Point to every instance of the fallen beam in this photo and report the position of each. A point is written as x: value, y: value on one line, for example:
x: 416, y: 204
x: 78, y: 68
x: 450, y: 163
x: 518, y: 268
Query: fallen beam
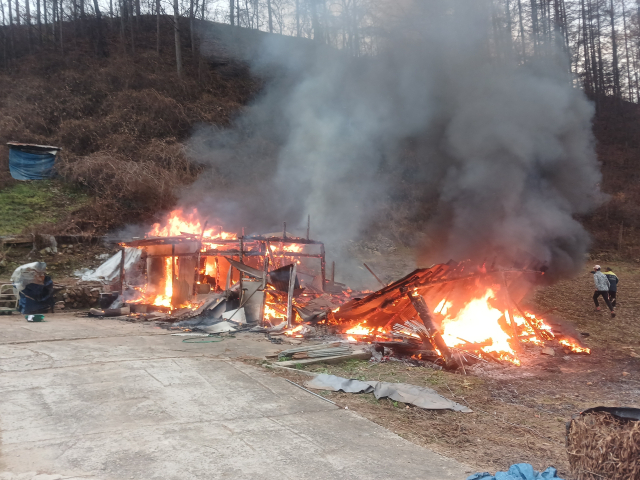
x: 356, y: 355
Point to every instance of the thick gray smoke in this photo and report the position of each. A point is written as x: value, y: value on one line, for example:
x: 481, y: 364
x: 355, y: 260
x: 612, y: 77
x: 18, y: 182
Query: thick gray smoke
x: 504, y: 150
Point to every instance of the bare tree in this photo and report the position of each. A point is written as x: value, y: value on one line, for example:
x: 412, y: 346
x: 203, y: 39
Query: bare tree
x: 176, y: 30
x: 522, y: 38
x: 231, y: 13
x: 158, y: 27
x: 270, y: 16
x: 626, y: 51
x: 101, y: 48
x: 191, y: 32
x: 614, y: 47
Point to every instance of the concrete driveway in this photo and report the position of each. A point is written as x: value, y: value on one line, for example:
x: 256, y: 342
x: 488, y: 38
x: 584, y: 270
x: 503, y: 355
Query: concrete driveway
x: 105, y: 399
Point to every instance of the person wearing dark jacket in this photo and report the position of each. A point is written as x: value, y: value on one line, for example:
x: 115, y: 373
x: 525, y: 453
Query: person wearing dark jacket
x: 602, y: 288
x: 613, y: 285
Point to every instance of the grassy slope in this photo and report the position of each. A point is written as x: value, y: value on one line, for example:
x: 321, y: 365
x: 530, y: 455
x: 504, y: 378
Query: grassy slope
x: 25, y: 204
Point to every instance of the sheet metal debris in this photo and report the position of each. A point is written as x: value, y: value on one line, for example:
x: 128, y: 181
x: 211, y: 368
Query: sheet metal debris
x: 400, y: 392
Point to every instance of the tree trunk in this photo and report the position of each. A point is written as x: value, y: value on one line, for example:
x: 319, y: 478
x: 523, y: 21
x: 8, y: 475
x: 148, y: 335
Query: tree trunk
x: 158, y: 27
x: 54, y: 15
x: 588, y: 82
x: 191, y: 33
x: 614, y: 47
x: 297, y: 18
x: 17, y: 12
x: 524, y: 48
x: 61, y: 19
x: 4, y: 37
x: 565, y: 22
x: 238, y: 12
x: 626, y: 51
x: 101, y: 48
x: 176, y: 31
x: 131, y: 27
x: 204, y: 9
x: 595, y: 78
x: 11, y: 31
x: 270, y: 16
x: 231, y: 15
x: 46, y: 19
x: 598, y: 36
x: 534, y: 25
x: 82, y: 17
x: 39, y: 21
x: 509, y: 33
x: 123, y: 38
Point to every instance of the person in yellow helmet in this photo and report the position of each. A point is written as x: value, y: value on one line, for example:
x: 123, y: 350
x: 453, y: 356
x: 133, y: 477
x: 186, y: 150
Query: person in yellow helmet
x: 613, y: 285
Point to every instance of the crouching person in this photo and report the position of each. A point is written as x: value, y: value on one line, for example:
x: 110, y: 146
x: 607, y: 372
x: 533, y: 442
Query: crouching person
x: 602, y: 288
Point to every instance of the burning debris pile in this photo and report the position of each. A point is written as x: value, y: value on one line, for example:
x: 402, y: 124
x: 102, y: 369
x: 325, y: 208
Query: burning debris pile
x: 453, y: 314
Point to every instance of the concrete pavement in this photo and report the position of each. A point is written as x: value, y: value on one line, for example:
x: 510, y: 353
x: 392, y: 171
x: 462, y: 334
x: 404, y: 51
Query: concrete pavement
x: 105, y: 399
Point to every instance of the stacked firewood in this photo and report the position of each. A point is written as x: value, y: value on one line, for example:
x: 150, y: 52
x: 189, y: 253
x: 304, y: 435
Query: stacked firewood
x: 82, y: 295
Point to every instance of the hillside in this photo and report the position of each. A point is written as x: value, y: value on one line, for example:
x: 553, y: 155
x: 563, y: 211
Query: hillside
x: 122, y: 121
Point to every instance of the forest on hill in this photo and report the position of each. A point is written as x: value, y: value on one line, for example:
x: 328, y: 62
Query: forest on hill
x: 120, y: 86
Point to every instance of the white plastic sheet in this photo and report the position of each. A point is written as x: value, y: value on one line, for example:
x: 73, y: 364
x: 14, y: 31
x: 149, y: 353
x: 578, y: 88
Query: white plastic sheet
x: 110, y: 270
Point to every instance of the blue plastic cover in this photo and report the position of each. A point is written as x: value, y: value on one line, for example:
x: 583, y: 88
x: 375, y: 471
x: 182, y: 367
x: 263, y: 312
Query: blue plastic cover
x: 30, y: 166
x: 519, y: 471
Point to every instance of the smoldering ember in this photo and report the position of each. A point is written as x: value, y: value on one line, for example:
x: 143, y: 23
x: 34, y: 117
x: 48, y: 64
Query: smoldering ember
x: 365, y: 239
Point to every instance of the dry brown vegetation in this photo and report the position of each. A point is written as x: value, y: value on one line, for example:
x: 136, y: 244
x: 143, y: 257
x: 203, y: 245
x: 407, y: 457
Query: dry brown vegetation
x: 120, y: 120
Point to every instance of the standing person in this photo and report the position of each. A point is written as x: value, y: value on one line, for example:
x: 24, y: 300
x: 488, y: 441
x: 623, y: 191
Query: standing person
x: 602, y: 288
x: 613, y: 285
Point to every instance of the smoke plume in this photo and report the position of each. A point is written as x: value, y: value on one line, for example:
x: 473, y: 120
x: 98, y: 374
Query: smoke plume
x: 503, y: 151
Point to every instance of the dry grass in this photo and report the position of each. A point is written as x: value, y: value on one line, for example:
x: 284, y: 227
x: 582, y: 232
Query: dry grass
x: 602, y: 446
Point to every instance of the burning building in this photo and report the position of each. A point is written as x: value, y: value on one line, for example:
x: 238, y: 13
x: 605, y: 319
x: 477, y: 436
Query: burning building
x: 451, y: 313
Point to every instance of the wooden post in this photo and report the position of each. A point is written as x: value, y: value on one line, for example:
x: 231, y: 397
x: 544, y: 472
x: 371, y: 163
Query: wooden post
x: 284, y: 230
x: 217, y: 274
x: 229, y: 278
x: 197, y: 279
x: 264, y: 288
x: 273, y: 262
x: 292, y: 284
x: 308, y: 225
x: 173, y: 271
x: 323, y: 265
x: 432, y: 332
x: 333, y: 273
x: 122, y: 272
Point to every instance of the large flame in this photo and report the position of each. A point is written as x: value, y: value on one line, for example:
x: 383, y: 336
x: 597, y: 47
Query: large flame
x: 477, y: 322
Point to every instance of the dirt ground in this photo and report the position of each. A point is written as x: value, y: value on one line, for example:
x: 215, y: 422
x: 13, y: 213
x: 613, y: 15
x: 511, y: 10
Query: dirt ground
x: 519, y: 412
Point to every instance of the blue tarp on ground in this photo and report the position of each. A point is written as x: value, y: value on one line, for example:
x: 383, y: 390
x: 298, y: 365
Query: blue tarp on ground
x: 520, y: 471
x: 31, y: 166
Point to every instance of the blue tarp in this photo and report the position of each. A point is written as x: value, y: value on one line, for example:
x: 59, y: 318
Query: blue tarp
x: 520, y: 471
x: 31, y: 166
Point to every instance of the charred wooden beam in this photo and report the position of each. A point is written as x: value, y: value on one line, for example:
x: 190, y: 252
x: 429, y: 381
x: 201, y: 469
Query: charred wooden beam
x: 433, y: 334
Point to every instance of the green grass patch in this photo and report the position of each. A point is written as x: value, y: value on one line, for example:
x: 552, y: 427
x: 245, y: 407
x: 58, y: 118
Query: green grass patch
x: 30, y: 203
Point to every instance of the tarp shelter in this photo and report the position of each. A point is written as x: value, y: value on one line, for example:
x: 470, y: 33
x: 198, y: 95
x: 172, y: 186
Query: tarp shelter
x: 31, y: 162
